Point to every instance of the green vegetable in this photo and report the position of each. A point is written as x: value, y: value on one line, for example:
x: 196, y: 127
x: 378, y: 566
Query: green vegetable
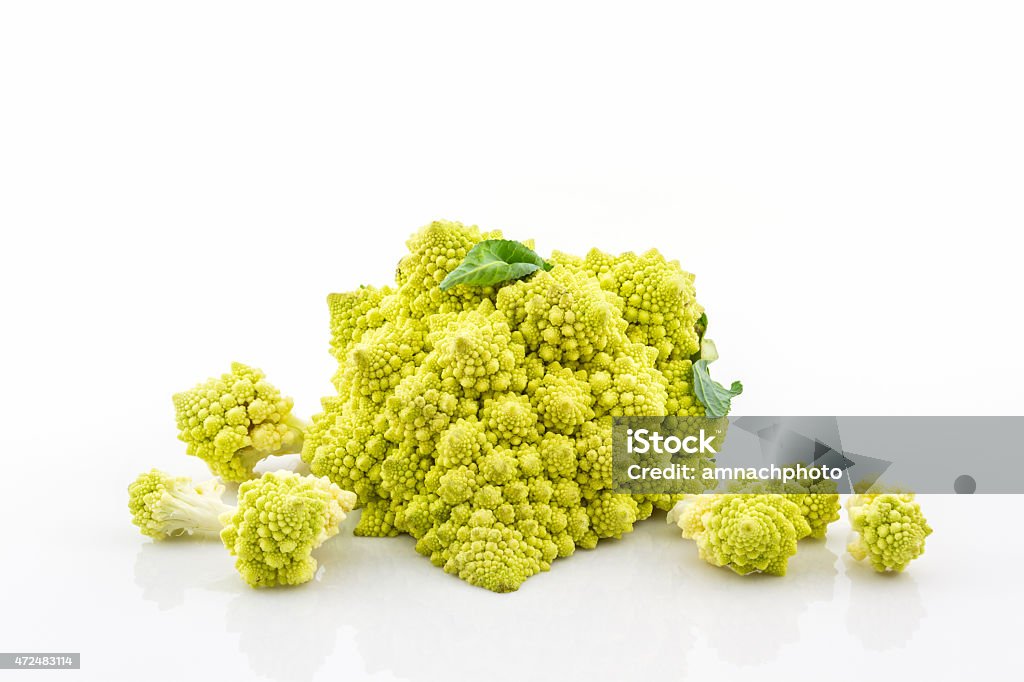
x: 716, y: 399
x: 474, y: 418
x: 747, y: 533
x: 891, y: 529
x: 280, y: 519
x: 234, y: 421
x: 164, y: 506
x: 494, y: 261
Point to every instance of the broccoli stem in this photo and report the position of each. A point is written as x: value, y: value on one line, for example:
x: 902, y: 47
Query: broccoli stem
x: 194, y: 513
x: 291, y: 444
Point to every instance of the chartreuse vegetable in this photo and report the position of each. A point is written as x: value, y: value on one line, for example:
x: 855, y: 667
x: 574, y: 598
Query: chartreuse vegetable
x: 890, y: 529
x: 473, y: 396
x: 234, y: 421
x: 280, y: 519
x: 747, y: 533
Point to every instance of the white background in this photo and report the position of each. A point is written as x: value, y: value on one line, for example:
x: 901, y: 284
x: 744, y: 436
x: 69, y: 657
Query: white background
x: 181, y: 184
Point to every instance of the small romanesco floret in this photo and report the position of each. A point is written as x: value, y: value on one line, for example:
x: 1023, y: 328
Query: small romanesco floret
x: 747, y: 533
x: 165, y: 506
x: 234, y: 421
x: 818, y: 499
x: 281, y: 518
x: 891, y: 530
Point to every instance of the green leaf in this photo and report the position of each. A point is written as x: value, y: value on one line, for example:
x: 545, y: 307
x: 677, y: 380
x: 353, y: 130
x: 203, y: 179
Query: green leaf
x: 716, y: 398
x: 493, y: 261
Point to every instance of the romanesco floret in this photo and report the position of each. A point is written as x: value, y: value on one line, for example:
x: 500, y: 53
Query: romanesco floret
x: 234, y: 421
x: 680, y: 400
x: 475, y: 418
x: 563, y: 315
x: 353, y: 315
x: 747, y: 533
x: 281, y: 518
x: 474, y: 350
x: 819, y: 505
x: 563, y: 400
x: 435, y: 251
x: 165, y: 506
x: 890, y: 530
x: 688, y: 514
x: 659, y: 300
x: 818, y: 499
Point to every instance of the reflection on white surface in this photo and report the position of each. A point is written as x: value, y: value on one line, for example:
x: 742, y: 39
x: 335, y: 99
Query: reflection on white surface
x: 762, y: 613
x: 884, y: 610
x: 402, y: 611
x: 644, y: 606
x: 285, y: 633
x: 443, y: 614
x: 166, y: 570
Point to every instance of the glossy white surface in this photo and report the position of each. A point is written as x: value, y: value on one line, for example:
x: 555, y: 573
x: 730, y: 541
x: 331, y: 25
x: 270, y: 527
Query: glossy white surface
x: 643, y: 606
x: 181, y: 184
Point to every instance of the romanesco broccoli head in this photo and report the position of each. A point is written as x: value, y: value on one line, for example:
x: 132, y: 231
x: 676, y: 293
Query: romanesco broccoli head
x: 165, y: 506
x: 476, y: 418
x: 890, y: 530
x: 234, y: 421
x: 281, y: 518
x: 747, y: 533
